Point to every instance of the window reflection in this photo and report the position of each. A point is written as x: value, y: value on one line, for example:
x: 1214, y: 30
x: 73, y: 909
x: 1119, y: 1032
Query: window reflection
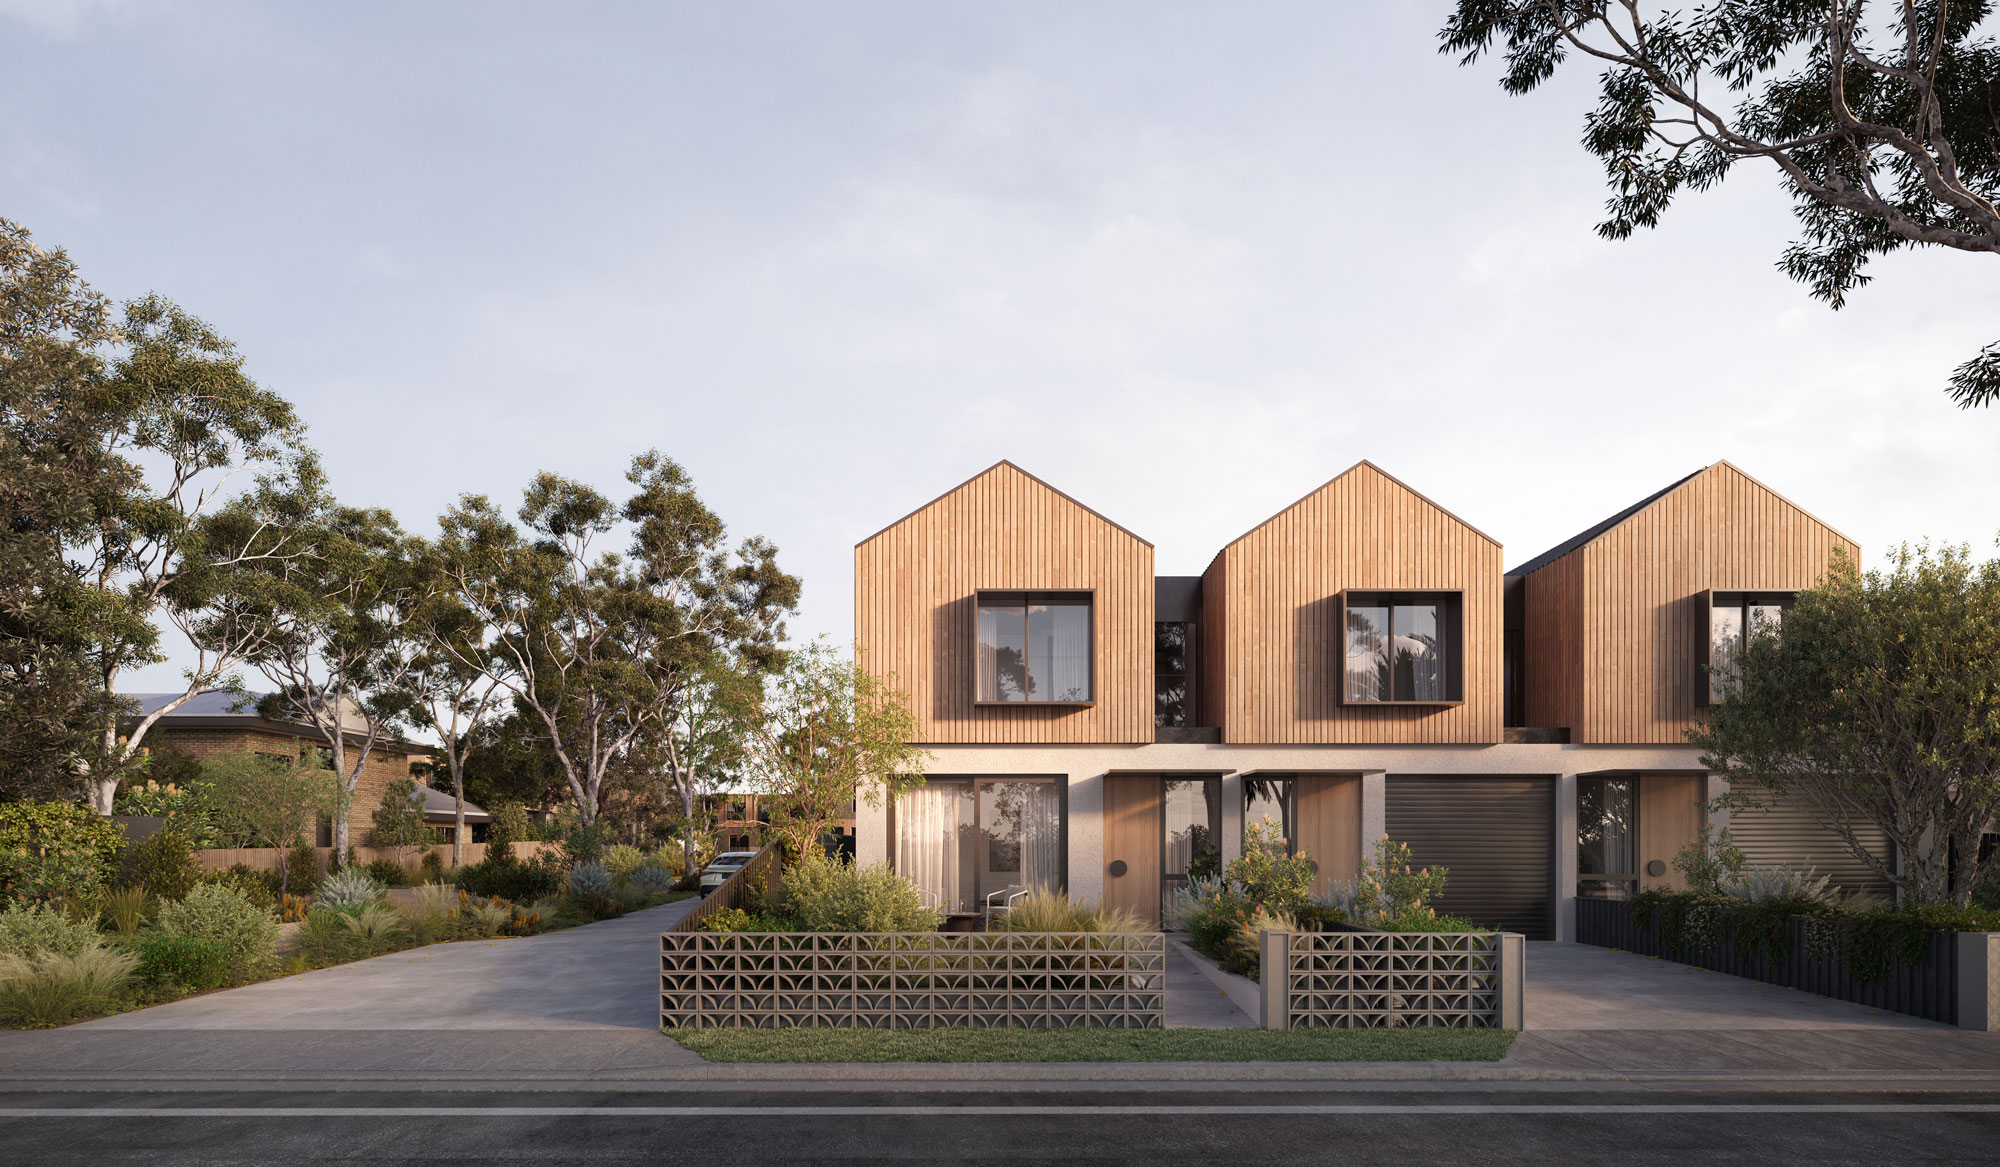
x: 1398, y: 650
x: 1734, y: 618
x: 1034, y: 648
x: 1173, y: 673
x: 1607, y: 857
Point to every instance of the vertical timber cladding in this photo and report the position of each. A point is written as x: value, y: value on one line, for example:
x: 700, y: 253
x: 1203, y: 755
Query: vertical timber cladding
x: 1132, y: 834
x: 1670, y: 816
x: 1497, y: 837
x: 1273, y: 629
x: 1785, y: 831
x: 1613, y: 631
x: 1329, y: 827
x: 914, y: 607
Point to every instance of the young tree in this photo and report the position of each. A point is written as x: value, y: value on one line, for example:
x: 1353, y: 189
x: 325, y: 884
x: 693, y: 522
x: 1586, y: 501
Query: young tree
x: 264, y: 801
x: 1881, y: 119
x: 830, y: 733
x: 703, y: 742
x: 399, y: 819
x: 1877, y: 701
x: 598, y: 647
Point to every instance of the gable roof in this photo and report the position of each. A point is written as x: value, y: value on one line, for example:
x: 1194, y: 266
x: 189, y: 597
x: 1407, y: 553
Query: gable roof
x: 1426, y: 499
x: 1583, y: 537
x: 1023, y: 473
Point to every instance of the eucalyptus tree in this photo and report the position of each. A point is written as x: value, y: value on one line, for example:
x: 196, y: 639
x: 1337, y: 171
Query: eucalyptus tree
x: 599, y: 647
x: 53, y: 465
x: 1881, y: 119
x: 329, y: 628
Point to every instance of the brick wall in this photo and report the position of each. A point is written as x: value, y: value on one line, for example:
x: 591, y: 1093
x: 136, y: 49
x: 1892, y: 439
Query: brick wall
x: 382, y: 767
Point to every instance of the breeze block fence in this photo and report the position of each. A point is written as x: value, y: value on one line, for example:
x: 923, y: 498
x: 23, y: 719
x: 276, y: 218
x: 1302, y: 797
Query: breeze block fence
x: 1357, y: 979
x: 913, y: 980
x: 1957, y: 983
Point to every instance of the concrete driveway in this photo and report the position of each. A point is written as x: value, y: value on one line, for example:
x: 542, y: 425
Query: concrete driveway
x: 579, y: 1000
x: 1598, y: 1007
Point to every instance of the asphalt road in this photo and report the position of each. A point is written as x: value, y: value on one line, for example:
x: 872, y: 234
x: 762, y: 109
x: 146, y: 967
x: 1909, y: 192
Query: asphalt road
x: 714, y: 1127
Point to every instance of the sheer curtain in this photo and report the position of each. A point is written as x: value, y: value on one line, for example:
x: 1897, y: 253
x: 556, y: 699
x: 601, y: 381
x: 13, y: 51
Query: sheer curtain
x: 928, y: 840
x: 1041, y: 836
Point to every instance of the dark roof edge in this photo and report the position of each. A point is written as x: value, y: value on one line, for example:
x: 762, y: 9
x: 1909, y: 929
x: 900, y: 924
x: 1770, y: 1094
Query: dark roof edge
x: 1585, y: 536
x: 1044, y: 484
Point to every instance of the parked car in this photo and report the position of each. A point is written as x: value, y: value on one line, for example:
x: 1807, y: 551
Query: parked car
x: 722, y: 867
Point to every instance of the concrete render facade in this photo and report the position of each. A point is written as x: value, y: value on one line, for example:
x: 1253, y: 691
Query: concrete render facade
x: 1082, y: 769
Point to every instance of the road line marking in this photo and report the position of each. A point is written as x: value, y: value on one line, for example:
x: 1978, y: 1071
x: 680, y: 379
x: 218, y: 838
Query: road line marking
x: 972, y: 1111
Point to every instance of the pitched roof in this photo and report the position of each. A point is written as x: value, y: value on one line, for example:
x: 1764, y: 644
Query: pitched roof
x: 1582, y: 537
x: 1427, y: 500
x: 438, y: 804
x: 1023, y: 473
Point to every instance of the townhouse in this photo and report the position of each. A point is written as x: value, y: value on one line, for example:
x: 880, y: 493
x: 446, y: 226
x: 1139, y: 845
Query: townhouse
x: 1359, y: 664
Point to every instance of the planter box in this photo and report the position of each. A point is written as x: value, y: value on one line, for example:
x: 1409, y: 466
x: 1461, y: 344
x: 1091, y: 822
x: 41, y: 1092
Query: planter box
x: 1929, y: 990
x: 1350, y: 978
x: 913, y: 980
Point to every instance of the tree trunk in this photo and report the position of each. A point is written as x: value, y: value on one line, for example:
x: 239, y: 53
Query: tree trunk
x: 458, y: 796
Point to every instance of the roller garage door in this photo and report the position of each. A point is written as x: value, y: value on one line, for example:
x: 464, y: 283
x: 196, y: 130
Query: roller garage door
x: 1496, y: 835
x: 1785, y: 833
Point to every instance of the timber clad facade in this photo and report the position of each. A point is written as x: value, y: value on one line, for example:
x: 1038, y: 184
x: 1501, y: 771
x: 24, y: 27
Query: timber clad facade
x: 916, y: 588
x: 1361, y: 663
x: 1273, y: 619
x: 1617, y: 622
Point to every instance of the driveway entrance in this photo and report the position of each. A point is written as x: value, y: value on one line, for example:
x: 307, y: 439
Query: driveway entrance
x: 1590, y: 1006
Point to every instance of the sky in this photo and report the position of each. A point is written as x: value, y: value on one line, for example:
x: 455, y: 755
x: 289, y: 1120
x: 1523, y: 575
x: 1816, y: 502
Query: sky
x: 1185, y: 263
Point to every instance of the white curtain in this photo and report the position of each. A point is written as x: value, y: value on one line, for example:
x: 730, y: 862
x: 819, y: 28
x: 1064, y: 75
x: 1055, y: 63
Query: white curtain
x: 1041, y: 835
x: 928, y: 839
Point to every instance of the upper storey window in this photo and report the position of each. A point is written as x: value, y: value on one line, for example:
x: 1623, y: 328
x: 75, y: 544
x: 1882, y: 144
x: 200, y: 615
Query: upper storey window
x: 1733, y: 618
x: 1035, y: 647
x: 1173, y: 673
x: 1402, y: 648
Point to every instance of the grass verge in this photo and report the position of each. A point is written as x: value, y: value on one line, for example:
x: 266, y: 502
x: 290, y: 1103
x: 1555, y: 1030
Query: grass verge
x: 1097, y: 1045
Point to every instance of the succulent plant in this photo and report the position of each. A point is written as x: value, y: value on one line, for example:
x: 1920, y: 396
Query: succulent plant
x: 589, y: 879
x: 346, y: 888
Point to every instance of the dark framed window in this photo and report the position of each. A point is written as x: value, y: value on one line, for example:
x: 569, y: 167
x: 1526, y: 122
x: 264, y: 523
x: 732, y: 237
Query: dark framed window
x: 1274, y: 800
x: 1402, y: 648
x: 1729, y: 619
x: 1191, y: 830
x: 1174, y: 646
x: 1607, y: 838
x: 1035, y: 648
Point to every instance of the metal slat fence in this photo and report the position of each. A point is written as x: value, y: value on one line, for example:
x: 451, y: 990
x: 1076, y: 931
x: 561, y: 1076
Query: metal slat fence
x: 762, y: 871
x: 913, y: 980
x: 1928, y: 990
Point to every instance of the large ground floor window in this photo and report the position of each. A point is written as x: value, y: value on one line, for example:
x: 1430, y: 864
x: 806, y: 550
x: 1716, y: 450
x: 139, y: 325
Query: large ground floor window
x: 1607, y: 838
x: 963, y: 839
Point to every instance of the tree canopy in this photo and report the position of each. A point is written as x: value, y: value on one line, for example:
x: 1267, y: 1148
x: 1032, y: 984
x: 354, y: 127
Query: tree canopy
x: 1883, y: 119
x: 1877, y: 701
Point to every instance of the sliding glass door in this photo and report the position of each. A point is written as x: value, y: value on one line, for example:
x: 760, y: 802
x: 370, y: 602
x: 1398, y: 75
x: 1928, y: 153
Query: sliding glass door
x: 962, y: 839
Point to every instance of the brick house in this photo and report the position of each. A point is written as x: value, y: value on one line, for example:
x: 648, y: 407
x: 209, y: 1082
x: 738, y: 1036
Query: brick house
x: 218, y: 722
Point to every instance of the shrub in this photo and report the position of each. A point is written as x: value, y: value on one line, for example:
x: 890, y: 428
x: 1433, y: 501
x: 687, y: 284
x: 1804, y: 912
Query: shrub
x: 30, y: 930
x: 830, y: 895
x: 164, y: 864
x: 225, y: 915
x: 301, y: 869
x: 432, y: 908
x: 388, y: 873
x: 732, y: 920
x: 1190, y: 901
x: 1712, y: 860
x: 52, y: 849
x: 1391, y: 895
x: 623, y: 860
x: 1759, y: 884
x: 184, y: 802
x: 186, y: 960
x: 1267, y: 874
x: 1042, y: 910
x: 53, y: 988
x: 348, y: 887
x: 377, y: 924
x: 650, y: 879
x: 510, y: 879
x: 1246, y: 944
x: 432, y: 867
x: 254, y: 884
x: 581, y: 844
x: 509, y: 825
x: 125, y: 910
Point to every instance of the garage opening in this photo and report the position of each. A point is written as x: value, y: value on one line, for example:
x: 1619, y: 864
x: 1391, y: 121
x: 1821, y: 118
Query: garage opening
x: 1496, y: 835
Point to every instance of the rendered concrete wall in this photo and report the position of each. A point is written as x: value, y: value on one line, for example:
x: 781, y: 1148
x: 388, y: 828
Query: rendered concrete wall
x: 1979, y: 980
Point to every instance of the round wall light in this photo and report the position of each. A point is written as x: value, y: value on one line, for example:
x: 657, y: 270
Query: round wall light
x: 1117, y: 868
